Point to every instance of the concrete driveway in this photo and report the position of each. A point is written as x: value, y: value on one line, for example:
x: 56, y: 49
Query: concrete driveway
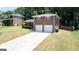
x: 25, y: 43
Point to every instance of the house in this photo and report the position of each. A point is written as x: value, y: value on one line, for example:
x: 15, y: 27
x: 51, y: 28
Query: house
x: 46, y: 22
x: 17, y: 19
x: 29, y: 23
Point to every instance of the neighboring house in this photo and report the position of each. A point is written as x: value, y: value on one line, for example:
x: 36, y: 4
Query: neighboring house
x: 46, y: 22
x: 15, y: 19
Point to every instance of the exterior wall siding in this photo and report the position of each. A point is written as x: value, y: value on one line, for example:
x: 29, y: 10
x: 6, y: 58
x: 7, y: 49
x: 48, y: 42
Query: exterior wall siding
x: 44, y: 21
x: 17, y: 21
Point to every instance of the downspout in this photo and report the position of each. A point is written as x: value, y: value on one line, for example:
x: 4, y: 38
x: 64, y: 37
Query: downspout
x: 34, y: 24
x: 54, y: 24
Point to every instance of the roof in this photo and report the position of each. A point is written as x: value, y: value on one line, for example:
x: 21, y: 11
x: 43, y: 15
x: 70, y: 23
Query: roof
x: 30, y: 20
x: 46, y: 15
x: 17, y: 14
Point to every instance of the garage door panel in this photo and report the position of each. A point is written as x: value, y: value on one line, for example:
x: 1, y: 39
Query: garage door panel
x: 39, y: 28
x: 48, y: 28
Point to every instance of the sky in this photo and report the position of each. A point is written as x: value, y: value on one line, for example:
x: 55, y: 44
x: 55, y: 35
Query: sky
x: 4, y: 9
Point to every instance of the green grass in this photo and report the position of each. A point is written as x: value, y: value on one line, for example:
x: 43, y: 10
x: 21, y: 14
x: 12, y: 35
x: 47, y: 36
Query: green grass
x: 10, y: 32
x: 62, y: 41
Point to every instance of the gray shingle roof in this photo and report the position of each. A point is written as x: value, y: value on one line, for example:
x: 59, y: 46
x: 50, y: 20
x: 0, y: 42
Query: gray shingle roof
x: 17, y: 14
x: 46, y: 15
x: 30, y: 20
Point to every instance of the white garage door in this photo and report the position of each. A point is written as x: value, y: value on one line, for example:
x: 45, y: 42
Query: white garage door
x: 48, y: 28
x: 39, y: 28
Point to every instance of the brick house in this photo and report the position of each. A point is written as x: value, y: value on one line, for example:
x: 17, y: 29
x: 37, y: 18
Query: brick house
x: 17, y: 19
x: 46, y: 22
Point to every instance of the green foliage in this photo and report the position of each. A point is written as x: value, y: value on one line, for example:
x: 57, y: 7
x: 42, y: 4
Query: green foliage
x: 28, y: 12
x: 6, y: 14
x: 68, y: 15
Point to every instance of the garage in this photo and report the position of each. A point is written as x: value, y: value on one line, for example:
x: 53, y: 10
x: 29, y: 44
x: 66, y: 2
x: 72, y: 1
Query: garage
x: 46, y: 22
x: 48, y: 28
x: 39, y: 28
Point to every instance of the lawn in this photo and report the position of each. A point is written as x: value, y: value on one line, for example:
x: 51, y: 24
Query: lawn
x: 62, y: 41
x: 10, y: 32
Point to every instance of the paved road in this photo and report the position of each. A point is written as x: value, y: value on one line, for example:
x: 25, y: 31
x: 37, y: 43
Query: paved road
x: 25, y: 43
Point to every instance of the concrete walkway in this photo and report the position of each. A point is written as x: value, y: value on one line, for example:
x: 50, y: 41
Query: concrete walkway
x: 25, y: 43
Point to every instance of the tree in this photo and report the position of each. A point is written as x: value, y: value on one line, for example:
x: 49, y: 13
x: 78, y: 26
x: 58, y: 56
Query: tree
x: 8, y: 13
x: 68, y: 15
